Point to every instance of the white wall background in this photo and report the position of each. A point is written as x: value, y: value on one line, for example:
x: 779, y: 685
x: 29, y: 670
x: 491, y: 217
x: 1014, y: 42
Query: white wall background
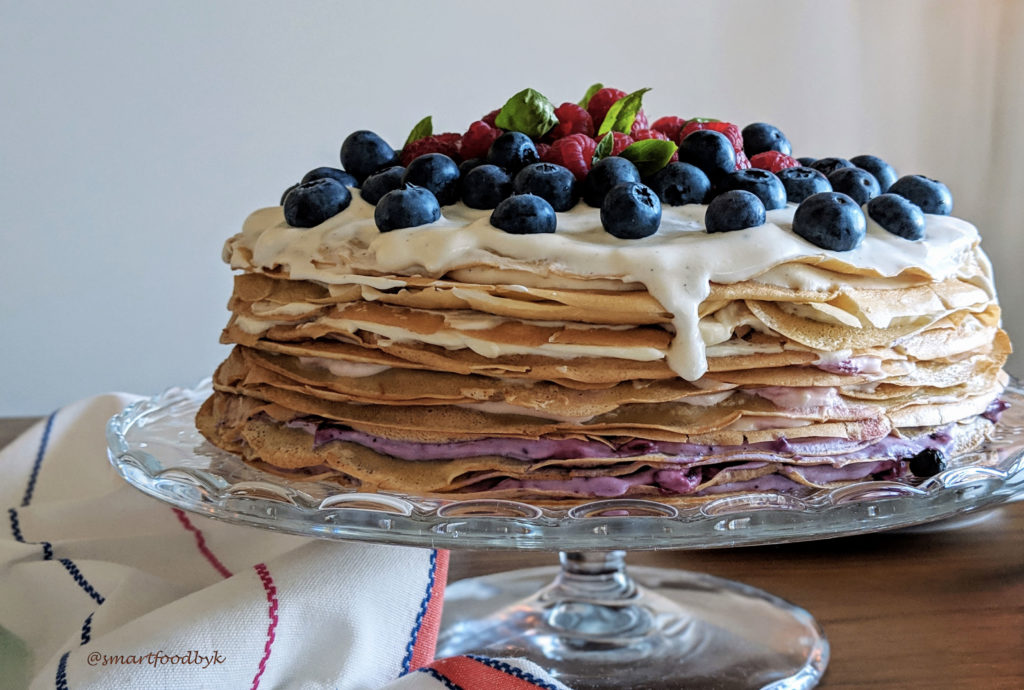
x: 136, y: 136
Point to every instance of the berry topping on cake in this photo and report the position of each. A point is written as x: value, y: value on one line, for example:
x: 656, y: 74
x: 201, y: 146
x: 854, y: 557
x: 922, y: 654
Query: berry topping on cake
x: 931, y: 195
x: 898, y: 215
x: 759, y: 137
x: 447, y: 144
x: 333, y: 173
x: 742, y: 162
x: 680, y: 183
x: 574, y: 152
x: 801, y: 183
x: 553, y: 183
x: 710, y: 151
x: 773, y: 161
x: 485, y: 186
x: 364, y: 153
x: 620, y: 142
x: 830, y: 220
x: 436, y: 173
x: 524, y: 214
x: 313, y: 202
x: 763, y: 184
x: 478, y: 139
x: 380, y: 183
x: 408, y: 207
x: 827, y: 166
x: 858, y: 184
x: 607, y: 173
x: 631, y: 211
x: 572, y: 119
x: 883, y: 172
x: 512, y: 151
x: 928, y: 463
x: 734, y: 210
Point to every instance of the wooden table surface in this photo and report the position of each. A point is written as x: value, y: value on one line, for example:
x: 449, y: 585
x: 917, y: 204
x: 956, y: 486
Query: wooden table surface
x: 941, y: 607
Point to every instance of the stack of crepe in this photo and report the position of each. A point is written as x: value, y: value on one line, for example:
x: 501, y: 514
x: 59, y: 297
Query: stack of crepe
x: 446, y: 386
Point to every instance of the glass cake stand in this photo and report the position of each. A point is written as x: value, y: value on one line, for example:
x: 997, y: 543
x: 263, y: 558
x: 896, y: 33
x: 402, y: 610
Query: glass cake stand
x: 589, y: 622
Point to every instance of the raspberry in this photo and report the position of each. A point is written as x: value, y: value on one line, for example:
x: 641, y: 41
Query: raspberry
x: 447, y: 143
x: 670, y: 125
x: 641, y: 134
x: 600, y: 102
x: 620, y: 143
x: 478, y: 139
x: 572, y: 119
x: 639, y: 123
x: 731, y: 131
x: 575, y: 152
x: 773, y: 161
x: 542, y: 149
x: 742, y: 162
x: 490, y: 117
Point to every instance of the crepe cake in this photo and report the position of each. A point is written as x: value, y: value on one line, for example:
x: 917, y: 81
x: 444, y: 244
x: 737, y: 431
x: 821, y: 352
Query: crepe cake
x: 453, y: 359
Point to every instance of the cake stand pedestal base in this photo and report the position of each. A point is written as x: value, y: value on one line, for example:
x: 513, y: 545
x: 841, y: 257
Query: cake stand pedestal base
x: 593, y: 625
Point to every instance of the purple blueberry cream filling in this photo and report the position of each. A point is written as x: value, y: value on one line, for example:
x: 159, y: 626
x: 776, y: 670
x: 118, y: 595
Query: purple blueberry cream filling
x: 672, y: 468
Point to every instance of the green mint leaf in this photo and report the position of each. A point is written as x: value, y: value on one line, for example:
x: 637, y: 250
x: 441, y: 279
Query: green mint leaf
x: 702, y: 119
x: 594, y: 88
x: 423, y: 128
x: 528, y: 112
x: 623, y: 112
x: 604, y: 148
x: 649, y: 155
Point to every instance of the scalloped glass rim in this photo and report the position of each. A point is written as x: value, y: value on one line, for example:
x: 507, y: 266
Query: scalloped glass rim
x: 154, y: 446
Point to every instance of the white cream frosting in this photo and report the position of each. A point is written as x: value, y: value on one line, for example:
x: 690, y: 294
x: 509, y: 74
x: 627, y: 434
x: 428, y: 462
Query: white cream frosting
x: 676, y: 265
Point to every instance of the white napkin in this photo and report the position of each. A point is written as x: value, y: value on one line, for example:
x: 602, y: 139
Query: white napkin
x: 108, y: 588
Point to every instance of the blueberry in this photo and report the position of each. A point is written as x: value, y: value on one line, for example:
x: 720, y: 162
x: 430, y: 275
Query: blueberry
x: 830, y: 220
x: 512, y: 151
x: 333, y: 173
x: 805, y: 161
x: 364, y: 153
x: 437, y: 173
x: 734, y: 210
x: 485, y: 186
x: 830, y: 165
x: 898, y: 215
x: 605, y: 174
x: 285, y: 193
x: 883, y: 172
x: 406, y: 208
x: 858, y: 184
x: 680, y: 183
x: 801, y: 183
x: 710, y: 151
x: 760, y: 137
x: 524, y: 214
x: 931, y: 195
x: 928, y: 463
x: 313, y: 202
x: 467, y: 165
x: 631, y: 211
x: 549, y: 181
x: 380, y: 183
x: 765, y: 185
